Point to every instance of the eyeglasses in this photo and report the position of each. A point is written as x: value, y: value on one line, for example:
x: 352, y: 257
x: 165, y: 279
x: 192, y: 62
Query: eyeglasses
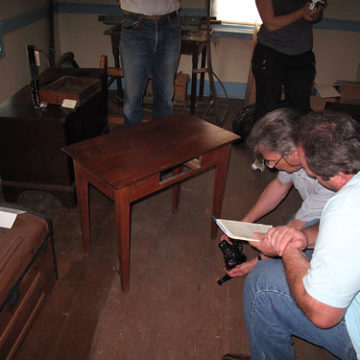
x: 268, y: 162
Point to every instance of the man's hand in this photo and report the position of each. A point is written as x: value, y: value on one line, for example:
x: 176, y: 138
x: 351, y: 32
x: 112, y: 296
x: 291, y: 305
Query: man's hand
x: 276, y: 240
x: 242, y: 269
x: 312, y: 15
x: 226, y: 238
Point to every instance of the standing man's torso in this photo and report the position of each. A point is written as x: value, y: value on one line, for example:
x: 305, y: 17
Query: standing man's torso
x: 150, y: 7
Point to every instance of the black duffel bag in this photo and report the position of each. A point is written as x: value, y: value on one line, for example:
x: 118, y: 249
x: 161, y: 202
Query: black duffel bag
x: 244, y: 121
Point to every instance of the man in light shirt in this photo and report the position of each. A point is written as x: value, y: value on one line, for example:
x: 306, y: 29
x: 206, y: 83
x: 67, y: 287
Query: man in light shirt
x: 273, y: 140
x: 315, y: 299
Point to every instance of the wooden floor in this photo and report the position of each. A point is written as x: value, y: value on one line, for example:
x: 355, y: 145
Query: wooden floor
x: 175, y: 310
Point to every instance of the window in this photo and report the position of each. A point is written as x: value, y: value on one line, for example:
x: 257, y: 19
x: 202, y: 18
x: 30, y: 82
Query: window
x: 236, y: 11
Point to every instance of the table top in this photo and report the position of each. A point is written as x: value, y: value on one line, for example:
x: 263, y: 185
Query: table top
x: 130, y: 154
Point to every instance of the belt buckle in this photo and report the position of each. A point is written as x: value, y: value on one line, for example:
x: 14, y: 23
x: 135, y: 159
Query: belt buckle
x: 154, y: 17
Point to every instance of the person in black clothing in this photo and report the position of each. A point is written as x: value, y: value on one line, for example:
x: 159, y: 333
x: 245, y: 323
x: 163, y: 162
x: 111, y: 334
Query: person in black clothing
x: 283, y: 61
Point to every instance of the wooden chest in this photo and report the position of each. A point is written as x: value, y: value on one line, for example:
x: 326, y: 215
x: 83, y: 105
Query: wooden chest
x: 27, y: 274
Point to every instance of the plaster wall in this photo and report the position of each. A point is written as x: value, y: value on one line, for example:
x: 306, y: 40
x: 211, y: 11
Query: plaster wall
x: 337, y: 51
x: 14, y: 67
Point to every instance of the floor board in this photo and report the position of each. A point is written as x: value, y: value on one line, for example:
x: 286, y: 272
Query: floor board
x: 175, y: 309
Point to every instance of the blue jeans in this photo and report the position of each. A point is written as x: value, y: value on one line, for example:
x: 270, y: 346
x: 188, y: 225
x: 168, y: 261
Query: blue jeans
x: 272, y: 317
x: 148, y: 46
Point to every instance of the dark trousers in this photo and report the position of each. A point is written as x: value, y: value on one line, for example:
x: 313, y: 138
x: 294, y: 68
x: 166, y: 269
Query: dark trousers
x: 275, y: 72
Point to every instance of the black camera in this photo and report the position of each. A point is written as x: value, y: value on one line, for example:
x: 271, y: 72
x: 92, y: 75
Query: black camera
x: 316, y: 3
x: 233, y: 256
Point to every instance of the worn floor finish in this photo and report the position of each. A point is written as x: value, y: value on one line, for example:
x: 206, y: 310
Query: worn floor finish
x: 175, y: 310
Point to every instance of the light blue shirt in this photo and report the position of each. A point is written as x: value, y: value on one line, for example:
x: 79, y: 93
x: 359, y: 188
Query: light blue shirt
x: 314, y: 195
x: 334, y: 274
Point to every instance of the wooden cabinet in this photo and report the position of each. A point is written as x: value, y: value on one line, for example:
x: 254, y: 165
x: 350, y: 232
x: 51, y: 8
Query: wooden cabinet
x: 31, y: 139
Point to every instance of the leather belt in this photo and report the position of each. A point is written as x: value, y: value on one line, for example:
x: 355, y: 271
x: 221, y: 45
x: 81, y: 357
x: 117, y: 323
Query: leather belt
x: 150, y: 17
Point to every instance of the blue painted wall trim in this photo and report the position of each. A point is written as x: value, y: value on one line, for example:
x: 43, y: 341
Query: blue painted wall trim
x: 233, y: 31
x: 335, y: 24
x: 233, y: 90
x: 17, y: 22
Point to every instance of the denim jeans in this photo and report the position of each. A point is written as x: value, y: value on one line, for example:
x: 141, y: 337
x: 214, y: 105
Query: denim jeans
x: 272, y: 317
x: 148, y: 46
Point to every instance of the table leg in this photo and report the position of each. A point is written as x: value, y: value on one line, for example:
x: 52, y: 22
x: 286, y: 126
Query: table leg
x: 219, y: 186
x: 176, y: 191
x: 115, y: 43
x: 122, y: 212
x: 195, y: 61
x: 82, y: 193
x: 202, y: 75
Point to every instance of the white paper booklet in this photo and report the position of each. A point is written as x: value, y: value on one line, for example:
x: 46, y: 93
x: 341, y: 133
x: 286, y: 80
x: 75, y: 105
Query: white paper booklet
x: 7, y: 219
x: 8, y: 216
x: 241, y: 230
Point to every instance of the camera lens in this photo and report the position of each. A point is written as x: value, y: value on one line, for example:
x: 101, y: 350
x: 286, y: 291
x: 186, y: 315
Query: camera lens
x: 231, y: 263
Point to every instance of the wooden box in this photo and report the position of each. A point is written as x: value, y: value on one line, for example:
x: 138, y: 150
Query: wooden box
x: 27, y: 274
x: 317, y: 103
x: 181, y: 82
x: 349, y: 90
x: 76, y: 88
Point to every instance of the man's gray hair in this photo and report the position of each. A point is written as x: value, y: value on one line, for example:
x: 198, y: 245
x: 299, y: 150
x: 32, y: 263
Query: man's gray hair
x: 331, y: 141
x: 274, y: 132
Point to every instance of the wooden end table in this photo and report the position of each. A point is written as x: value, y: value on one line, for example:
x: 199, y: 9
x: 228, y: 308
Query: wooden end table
x: 128, y: 164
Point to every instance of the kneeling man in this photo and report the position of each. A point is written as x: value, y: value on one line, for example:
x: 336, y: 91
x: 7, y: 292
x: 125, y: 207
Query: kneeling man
x: 313, y: 295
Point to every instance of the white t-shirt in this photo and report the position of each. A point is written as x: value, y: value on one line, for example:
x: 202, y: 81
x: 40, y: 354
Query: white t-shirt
x: 314, y: 195
x: 334, y: 274
x: 150, y: 7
